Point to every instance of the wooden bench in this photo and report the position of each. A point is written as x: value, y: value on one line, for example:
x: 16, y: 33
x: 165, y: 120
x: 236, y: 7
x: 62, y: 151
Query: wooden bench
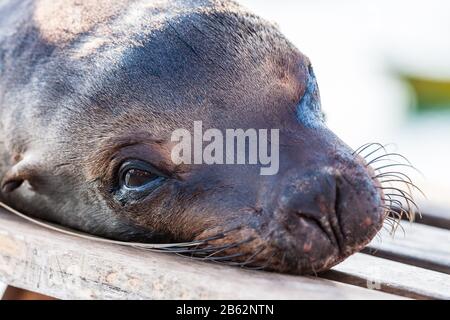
x: 411, y: 265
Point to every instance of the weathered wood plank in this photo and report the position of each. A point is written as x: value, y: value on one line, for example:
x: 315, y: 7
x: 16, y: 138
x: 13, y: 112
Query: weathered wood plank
x: 65, y: 267
x: 393, y: 277
x: 435, y: 216
x: 419, y: 245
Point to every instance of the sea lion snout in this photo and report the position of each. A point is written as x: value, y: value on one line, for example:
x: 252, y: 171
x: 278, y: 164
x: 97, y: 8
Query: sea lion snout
x: 324, y: 215
x: 322, y: 206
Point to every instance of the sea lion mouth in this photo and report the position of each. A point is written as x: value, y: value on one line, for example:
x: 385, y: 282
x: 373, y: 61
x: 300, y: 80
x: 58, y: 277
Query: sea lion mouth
x: 313, y: 231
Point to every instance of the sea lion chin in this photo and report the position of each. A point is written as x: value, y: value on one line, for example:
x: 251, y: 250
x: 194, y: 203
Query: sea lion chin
x: 90, y: 95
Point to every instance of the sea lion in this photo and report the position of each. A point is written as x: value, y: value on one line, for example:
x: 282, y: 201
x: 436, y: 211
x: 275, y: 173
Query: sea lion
x: 90, y: 92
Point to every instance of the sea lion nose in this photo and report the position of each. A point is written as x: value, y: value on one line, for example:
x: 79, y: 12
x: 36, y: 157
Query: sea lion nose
x: 331, y: 212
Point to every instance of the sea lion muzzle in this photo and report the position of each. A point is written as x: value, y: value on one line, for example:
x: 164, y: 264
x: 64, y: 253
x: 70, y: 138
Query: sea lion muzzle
x: 323, y: 206
x: 330, y: 213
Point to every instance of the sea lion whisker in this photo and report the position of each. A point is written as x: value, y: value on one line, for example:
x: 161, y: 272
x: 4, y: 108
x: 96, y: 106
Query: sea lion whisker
x: 393, y: 161
x: 264, y: 266
x: 268, y: 261
x: 393, y: 201
x: 391, y: 229
x: 252, y: 258
x: 358, y: 150
x: 398, y: 195
x: 249, y: 260
x: 222, y: 234
x: 365, y: 147
x: 394, y: 214
x: 386, y: 228
x: 382, y: 147
x: 398, y: 165
x: 225, y: 258
x: 218, y: 236
x: 387, y: 155
x: 395, y: 226
x: 411, y: 212
x: 405, y: 182
x: 201, y: 242
x: 389, y: 223
x: 397, y: 209
x: 378, y: 236
x: 398, y: 175
x: 233, y: 245
x: 212, y: 238
x: 201, y: 250
x: 215, y: 259
x: 391, y: 207
x: 392, y: 219
x: 405, y: 195
x: 195, y: 250
x: 403, y: 192
x: 256, y: 268
x: 170, y: 246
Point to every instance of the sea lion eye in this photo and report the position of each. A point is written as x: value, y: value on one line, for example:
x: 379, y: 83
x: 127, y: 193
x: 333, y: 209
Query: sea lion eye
x: 136, y: 178
x: 137, y: 175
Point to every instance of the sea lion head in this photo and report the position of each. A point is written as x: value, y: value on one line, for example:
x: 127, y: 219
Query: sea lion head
x: 104, y: 103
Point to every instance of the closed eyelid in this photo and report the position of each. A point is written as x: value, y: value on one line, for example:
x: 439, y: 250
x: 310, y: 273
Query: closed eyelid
x: 309, y: 110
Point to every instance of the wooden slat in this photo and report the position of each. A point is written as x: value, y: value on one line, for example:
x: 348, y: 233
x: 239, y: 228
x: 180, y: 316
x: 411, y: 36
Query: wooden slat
x: 65, y: 267
x: 419, y: 245
x: 436, y: 216
x: 393, y: 277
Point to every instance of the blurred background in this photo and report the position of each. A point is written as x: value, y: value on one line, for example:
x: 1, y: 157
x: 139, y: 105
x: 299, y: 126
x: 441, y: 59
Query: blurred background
x: 383, y: 69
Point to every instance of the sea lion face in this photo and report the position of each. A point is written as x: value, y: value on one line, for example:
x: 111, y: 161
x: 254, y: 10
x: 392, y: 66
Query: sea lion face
x: 101, y: 160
